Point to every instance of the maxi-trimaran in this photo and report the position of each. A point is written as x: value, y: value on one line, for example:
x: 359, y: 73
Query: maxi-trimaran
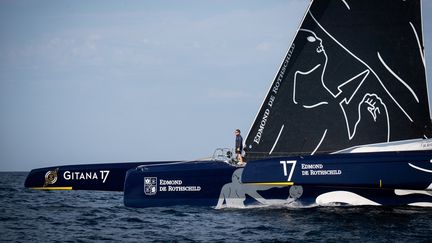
x: 345, y: 121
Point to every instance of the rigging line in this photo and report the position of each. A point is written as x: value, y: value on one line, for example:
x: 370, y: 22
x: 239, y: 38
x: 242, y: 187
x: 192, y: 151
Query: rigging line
x: 319, y: 144
x: 346, y: 4
x: 418, y: 43
x: 398, y: 78
x: 313, y: 106
x: 364, y: 63
x: 277, y: 139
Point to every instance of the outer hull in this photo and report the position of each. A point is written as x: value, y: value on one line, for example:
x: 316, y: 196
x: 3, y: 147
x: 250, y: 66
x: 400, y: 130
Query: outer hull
x: 104, y: 177
x: 218, y: 184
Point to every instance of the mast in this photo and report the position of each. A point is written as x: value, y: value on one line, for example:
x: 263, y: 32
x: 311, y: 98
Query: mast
x: 354, y: 75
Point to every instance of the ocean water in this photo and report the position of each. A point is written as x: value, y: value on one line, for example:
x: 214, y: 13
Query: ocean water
x: 86, y: 216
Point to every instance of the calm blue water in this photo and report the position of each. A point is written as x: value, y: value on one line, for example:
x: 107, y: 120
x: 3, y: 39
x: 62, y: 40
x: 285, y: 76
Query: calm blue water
x: 81, y: 216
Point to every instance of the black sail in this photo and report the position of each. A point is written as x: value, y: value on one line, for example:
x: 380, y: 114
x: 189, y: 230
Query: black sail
x: 354, y: 75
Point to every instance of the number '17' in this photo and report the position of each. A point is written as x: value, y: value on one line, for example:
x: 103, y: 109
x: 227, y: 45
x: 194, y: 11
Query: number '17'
x: 284, y: 164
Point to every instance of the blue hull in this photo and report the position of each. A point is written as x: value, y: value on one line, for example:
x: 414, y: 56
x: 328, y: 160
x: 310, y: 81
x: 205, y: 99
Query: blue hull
x: 186, y: 183
x: 402, y: 178
x: 101, y: 177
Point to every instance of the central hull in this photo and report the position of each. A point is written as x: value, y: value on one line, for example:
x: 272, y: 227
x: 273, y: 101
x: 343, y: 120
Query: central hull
x: 219, y: 184
x: 185, y: 183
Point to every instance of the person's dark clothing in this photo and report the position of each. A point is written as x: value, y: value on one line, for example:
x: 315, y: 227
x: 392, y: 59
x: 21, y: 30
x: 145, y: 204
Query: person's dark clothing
x: 239, y: 144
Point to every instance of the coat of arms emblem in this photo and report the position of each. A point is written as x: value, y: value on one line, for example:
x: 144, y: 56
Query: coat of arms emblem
x: 150, y: 186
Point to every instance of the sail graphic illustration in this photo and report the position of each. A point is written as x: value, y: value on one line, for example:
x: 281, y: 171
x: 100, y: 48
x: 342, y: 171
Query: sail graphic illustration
x: 354, y: 75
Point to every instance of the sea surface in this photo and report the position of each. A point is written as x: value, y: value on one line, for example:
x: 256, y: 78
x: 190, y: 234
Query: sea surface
x: 87, y: 216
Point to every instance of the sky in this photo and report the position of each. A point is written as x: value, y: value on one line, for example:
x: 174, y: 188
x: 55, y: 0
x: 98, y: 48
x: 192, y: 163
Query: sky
x: 118, y: 81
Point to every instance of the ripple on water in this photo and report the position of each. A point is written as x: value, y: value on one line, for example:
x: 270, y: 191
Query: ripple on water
x: 133, y: 220
x: 174, y: 212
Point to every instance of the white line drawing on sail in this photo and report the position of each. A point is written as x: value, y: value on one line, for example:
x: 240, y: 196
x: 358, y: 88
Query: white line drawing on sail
x: 371, y: 100
x: 364, y: 63
x: 277, y: 139
x: 346, y: 4
x: 319, y: 144
x: 316, y: 105
x: 320, y: 49
x: 418, y: 43
x: 373, y: 112
x: 398, y: 78
x: 365, y: 73
x: 295, y: 80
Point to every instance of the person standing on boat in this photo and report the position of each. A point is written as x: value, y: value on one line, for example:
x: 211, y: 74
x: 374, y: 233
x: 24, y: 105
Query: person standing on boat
x: 239, y: 147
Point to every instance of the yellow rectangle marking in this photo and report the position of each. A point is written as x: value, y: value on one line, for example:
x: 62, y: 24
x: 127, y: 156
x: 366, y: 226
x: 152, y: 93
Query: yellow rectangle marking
x: 53, y: 188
